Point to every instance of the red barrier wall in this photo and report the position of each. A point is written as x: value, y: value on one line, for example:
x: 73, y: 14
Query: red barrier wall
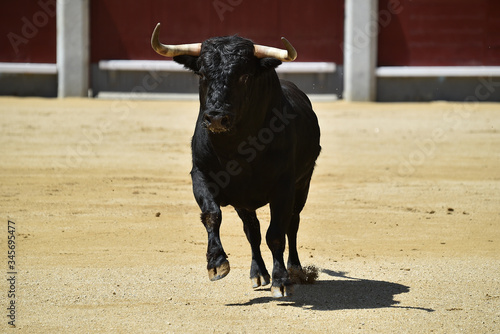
x: 440, y: 32
x: 121, y: 29
x: 424, y: 32
x: 28, y: 31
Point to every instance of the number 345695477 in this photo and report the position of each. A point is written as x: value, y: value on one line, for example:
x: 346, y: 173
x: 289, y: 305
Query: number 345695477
x: 11, y: 243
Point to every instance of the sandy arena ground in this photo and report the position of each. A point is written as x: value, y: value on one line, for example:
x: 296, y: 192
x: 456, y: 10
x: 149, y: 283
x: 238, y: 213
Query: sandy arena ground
x: 403, y: 218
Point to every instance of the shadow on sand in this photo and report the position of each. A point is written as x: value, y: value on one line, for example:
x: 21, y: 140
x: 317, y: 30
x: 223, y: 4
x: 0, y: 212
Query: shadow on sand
x: 341, y: 293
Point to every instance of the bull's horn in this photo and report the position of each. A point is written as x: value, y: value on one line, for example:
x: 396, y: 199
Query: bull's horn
x: 284, y: 55
x: 173, y: 50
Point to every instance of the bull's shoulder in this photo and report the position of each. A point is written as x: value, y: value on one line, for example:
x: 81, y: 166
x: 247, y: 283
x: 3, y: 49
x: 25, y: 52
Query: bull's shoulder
x: 306, y: 126
x: 300, y: 105
x: 294, y: 95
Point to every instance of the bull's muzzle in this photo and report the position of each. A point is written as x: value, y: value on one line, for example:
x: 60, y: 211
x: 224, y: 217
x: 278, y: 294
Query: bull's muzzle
x: 217, y: 122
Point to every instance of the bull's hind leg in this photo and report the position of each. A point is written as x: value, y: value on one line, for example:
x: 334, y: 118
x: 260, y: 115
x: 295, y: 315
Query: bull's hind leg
x: 251, y: 226
x: 281, y: 213
x: 293, y: 255
x: 300, y: 201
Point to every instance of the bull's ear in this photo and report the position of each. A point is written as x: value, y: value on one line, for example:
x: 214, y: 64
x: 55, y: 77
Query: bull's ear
x: 269, y: 63
x: 189, y: 62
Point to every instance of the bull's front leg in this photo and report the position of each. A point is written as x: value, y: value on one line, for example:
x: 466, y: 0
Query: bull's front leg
x: 217, y: 263
x: 211, y: 217
x: 281, y: 285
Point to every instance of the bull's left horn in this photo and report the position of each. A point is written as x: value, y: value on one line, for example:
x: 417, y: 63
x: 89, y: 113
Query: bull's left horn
x: 173, y: 50
x: 289, y: 54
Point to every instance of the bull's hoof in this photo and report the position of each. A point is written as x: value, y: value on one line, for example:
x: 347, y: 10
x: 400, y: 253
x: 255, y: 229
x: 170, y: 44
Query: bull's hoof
x: 260, y: 281
x: 282, y: 291
x: 219, y: 272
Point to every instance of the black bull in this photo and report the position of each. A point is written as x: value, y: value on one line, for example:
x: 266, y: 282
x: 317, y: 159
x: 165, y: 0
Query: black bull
x: 255, y: 142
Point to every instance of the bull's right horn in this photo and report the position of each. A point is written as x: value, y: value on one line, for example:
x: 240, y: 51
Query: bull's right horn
x: 173, y: 50
x: 289, y: 54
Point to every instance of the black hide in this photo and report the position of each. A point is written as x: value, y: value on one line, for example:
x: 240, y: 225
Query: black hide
x: 255, y: 142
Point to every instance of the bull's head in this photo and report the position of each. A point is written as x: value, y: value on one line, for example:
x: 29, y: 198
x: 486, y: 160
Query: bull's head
x: 234, y: 75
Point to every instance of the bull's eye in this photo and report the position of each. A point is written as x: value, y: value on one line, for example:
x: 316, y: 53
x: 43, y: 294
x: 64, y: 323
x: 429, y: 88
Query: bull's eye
x: 244, y: 78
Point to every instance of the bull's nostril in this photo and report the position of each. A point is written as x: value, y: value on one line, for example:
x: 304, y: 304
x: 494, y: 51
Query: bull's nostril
x: 216, y: 121
x: 224, y: 121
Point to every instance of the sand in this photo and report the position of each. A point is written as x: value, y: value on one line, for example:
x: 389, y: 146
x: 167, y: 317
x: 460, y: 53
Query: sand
x: 403, y: 219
